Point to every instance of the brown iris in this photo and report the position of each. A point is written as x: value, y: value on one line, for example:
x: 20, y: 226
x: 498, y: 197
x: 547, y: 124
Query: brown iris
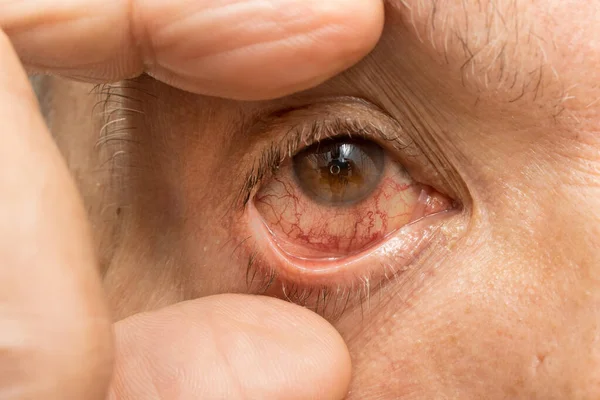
x: 339, y: 172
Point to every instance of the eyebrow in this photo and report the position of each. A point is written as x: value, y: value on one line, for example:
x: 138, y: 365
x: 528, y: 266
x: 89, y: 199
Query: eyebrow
x: 494, y: 47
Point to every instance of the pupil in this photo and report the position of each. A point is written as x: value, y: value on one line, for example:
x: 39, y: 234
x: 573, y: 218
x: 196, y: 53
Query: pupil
x: 337, y: 166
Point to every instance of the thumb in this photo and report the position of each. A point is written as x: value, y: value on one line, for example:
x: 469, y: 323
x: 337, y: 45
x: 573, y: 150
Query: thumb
x: 230, y: 347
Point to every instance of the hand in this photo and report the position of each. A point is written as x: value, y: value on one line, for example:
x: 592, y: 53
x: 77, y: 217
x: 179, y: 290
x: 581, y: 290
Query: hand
x: 55, y: 332
x: 233, y: 48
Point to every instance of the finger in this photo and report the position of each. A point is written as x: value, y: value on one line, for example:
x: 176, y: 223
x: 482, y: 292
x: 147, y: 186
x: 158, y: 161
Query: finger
x: 244, y: 49
x: 230, y: 347
x: 54, y: 333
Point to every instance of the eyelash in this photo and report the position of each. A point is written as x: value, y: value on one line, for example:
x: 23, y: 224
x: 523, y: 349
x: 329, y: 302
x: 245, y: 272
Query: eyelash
x: 260, y: 278
x: 331, y: 302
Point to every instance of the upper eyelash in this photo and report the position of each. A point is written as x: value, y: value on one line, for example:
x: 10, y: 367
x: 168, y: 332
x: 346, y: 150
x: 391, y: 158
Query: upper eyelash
x: 302, y: 136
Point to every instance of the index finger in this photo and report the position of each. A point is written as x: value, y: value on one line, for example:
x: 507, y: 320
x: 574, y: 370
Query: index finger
x: 244, y: 49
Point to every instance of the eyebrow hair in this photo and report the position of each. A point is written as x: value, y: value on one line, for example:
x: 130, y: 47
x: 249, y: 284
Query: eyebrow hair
x: 495, y: 46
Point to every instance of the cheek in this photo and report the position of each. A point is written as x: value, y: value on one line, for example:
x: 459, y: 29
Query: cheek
x: 473, y: 326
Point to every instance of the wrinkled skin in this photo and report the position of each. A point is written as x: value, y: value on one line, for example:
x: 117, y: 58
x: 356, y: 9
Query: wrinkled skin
x: 503, y: 304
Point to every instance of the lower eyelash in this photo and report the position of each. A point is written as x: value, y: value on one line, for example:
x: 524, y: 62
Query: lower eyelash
x: 335, y: 300
x: 262, y: 279
x: 329, y: 302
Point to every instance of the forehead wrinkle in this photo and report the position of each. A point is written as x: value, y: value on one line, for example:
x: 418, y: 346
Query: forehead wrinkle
x: 497, y: 47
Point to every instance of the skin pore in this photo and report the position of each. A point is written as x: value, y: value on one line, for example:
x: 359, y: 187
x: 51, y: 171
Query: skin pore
x: 500, y: 99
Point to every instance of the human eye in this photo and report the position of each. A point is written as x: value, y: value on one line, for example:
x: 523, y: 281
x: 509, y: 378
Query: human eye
x: 333, y: 207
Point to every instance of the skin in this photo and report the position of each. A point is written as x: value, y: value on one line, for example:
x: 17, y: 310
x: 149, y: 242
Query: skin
x: 503, y: 303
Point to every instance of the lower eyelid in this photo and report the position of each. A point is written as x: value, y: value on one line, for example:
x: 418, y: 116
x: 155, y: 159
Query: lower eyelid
x: 384, y: 260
